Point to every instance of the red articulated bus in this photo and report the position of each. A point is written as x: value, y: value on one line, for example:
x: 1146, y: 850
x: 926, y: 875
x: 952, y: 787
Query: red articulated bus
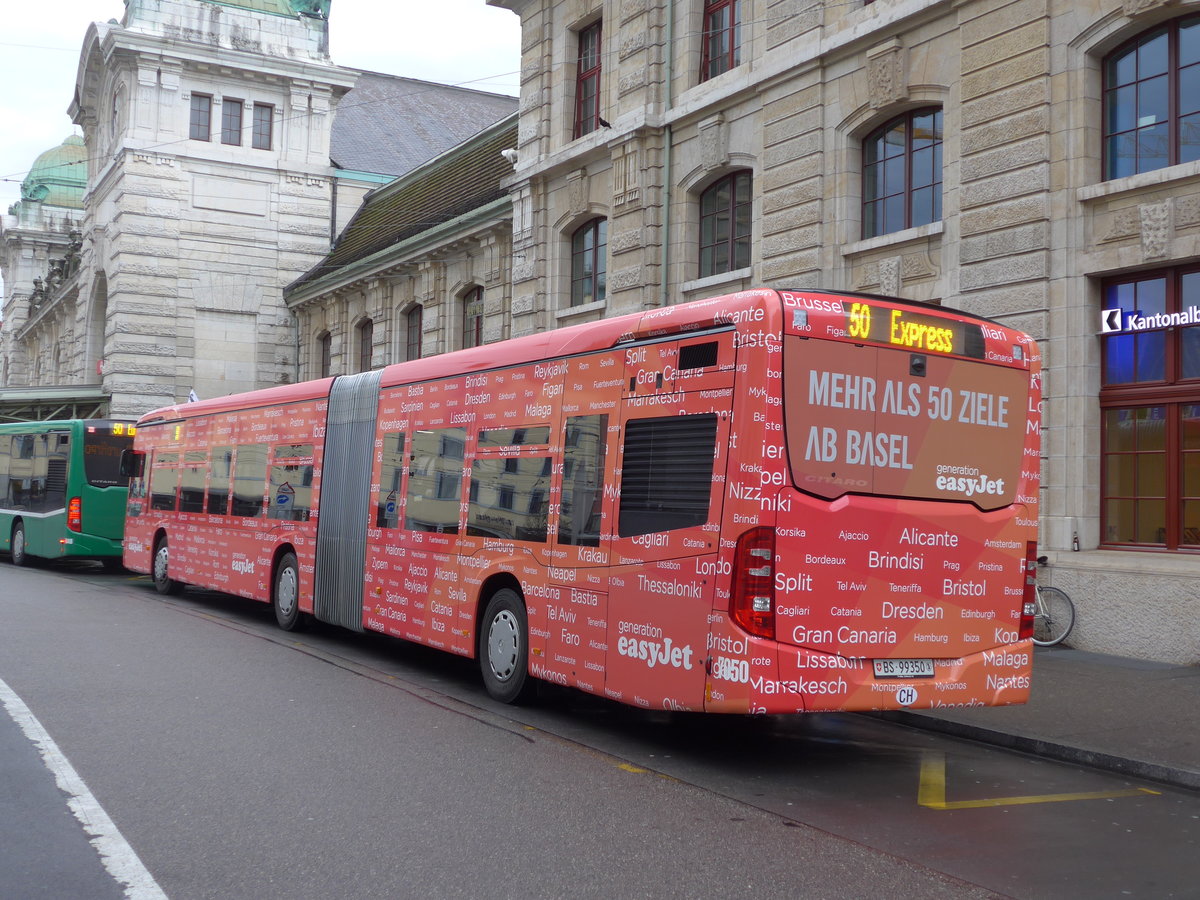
x: 768, y: 502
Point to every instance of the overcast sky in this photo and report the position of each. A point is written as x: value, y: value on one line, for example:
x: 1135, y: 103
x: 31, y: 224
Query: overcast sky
x: 462, y: 42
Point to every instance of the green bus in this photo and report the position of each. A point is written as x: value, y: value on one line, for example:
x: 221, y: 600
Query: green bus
x: 62, y: 494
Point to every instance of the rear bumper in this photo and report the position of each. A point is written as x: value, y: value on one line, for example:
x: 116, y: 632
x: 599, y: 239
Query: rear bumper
x: 810, y: 681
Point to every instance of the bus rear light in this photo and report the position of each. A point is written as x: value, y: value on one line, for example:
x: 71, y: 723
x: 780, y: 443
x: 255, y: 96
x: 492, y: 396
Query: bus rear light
x: 1029, y: 600
x: 752, y: 600
x: 75, y: 514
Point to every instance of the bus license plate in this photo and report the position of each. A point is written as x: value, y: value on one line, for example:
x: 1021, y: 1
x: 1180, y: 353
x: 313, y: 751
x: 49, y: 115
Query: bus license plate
x: 904, y: 668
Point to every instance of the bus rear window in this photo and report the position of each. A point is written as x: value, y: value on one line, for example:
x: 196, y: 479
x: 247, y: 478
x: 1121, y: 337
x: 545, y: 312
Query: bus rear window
x: 102, y: 458
x: 875, y: 420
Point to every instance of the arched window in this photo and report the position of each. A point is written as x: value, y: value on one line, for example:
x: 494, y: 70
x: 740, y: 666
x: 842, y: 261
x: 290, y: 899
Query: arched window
x: 413, y: 321
x: 725, y: 224
x: 472, y: 318
x: 1152, y: 100
x: 722, y: 47
x: 902, y: 173
x: 366, y: 344
x: 325, y: 354
x: 589, y: 249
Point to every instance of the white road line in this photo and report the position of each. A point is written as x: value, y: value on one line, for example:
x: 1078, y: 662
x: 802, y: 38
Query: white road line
x: 115, y: 853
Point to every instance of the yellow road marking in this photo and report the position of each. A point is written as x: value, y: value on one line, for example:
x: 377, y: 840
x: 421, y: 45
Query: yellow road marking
x: 631, y: 768
x: 932, y: 790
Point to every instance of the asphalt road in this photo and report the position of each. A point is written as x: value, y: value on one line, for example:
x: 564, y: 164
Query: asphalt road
x: 240, y: 761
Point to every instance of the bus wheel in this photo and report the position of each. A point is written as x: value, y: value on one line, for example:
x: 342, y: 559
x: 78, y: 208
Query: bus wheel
x: 163, y: 582
x: 20, y: 556
x: 504, y: 648
x: 286, y: 595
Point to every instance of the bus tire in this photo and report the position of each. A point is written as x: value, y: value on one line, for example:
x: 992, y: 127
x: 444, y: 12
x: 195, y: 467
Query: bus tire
x: 504, y: 648
x: 285, y: 593
x: 20, y: 552
x: 163, y: 583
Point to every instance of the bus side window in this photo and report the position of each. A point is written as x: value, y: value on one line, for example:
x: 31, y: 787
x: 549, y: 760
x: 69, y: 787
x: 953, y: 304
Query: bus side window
x: 164, y: 475
x: 391, y: 469
x: 38, y: 455
x: 666, y: 473
x: 249, y: 480
x: 20, y: 477
x: 435, y: 480
x: 221, y: 467
x: 510, y: 498
x: 290, y: 492
x: 191, y: 481
x: 583, y: 480
x: 5, y: 468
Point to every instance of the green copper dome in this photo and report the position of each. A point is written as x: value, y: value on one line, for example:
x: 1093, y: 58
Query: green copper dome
x: 59, y: 176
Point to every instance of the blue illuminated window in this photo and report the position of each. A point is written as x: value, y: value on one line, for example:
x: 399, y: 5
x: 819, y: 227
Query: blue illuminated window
x: 1150, y: 406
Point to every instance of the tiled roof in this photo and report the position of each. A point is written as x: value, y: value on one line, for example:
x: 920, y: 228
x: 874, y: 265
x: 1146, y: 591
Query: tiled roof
x: 443, y: 189
x: 390, y: 125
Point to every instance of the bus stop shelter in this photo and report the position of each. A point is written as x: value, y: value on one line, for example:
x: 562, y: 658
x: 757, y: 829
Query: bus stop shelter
x: 40, y: 404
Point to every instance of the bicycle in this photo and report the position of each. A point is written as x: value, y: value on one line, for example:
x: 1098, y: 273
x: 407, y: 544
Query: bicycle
x: 1055, y: 615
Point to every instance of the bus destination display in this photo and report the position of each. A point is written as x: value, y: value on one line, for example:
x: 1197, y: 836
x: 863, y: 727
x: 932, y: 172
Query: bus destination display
x: 912, y: 330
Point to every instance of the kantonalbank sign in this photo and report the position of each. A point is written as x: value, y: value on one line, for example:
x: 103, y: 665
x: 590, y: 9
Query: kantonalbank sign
x: 1118, y: 321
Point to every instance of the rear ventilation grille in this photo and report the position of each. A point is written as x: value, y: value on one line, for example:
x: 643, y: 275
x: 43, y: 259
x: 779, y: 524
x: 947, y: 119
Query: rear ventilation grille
x: 698, y: 356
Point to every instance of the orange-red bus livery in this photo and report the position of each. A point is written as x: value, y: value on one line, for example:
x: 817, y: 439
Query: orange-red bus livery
x: 768, y: 502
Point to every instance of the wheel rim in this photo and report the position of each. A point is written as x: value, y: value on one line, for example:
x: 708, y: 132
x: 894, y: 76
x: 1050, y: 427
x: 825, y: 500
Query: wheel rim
x: 504, y: 644
x: 160, y: 564
x: 18, y: 543
x: 286, y: 591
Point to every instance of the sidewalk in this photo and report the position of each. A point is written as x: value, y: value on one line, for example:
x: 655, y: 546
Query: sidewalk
x: 1130, y: 716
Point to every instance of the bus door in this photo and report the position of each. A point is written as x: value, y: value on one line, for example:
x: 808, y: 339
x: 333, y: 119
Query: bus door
x: 412, y: 577
x: 582, y: 501
x: 665, y: 551
x: 509, y: 413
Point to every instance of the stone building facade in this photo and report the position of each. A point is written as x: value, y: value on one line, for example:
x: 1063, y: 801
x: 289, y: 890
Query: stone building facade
x: 215, y: 168
x: 209, y: 187
x: 40, y: 251
x: 1034, y: 161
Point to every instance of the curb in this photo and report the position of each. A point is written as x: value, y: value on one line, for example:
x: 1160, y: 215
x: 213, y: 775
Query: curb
x: 1169, y: 775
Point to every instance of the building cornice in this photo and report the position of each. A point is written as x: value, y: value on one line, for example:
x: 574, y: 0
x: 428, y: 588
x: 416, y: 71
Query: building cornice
x: 117, y: 41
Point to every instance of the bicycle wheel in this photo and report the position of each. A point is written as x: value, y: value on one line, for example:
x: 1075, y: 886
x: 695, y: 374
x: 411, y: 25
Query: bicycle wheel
x: 1055, y: 617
